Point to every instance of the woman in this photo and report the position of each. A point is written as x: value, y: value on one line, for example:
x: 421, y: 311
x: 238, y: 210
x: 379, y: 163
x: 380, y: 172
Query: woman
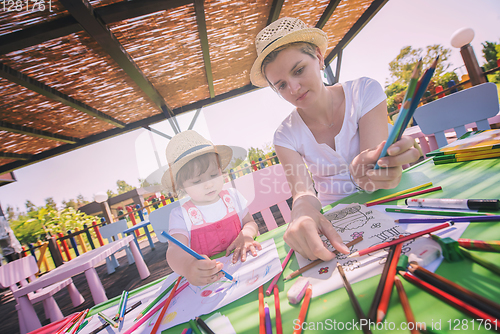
x: 336, y: 132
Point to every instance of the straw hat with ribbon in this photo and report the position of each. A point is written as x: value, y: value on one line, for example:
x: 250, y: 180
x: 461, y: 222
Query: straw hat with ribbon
x: 186, y: 146
x: 283, y: 31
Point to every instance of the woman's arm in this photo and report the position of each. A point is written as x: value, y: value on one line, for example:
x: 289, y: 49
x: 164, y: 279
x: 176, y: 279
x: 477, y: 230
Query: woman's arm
x: 373, y: 130
x: 307, y: 223
x: 197, y: 272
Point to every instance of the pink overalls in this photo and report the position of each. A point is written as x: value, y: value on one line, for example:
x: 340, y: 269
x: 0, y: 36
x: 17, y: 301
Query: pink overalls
x: 212, y: 238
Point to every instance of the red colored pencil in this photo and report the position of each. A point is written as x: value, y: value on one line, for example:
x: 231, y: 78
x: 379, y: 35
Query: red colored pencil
x: 303, y: 309
x: 276, y: 278
x: 400, y: 240
x: 279, y: 327
x: 410, y: 318
x: 480, y: 245
x: 453, y: 301
x: 262, y: 314
x: 405, y: 196
x: 164, y: 309
x: 389, y: 283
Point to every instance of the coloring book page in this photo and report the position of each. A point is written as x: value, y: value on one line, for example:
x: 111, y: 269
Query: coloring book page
x: 198, y: 300
x: 375, y: 227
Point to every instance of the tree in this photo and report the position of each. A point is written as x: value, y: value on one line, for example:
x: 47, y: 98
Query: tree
x: 70, y: 204
x: 49, y: 202
x: 123, y: 187
x: 402, y: 66
x: 30, y: 206
x: 255, y: 153
x: 490, y: 55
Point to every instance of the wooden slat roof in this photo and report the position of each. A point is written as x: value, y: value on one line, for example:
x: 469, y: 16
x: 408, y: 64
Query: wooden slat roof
x: 89, y: 70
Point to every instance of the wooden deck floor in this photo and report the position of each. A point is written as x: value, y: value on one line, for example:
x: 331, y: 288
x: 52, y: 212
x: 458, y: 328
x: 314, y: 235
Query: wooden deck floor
x: 124, y: 278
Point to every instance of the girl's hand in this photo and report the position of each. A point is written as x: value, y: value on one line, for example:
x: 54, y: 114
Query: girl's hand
x: 203, y: 272
x: 241, y: 245
x: 303, y: 233
x: 388, y: 176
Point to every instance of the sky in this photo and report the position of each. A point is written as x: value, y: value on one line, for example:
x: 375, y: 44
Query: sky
x: 251, y: 119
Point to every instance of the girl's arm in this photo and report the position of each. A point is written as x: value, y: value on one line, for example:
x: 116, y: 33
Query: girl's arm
x: 245, y: 241
x: 307, y: 223
x: 197, y: 272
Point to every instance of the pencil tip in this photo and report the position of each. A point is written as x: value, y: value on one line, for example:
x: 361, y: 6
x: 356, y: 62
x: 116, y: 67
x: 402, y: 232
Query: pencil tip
x: 355, y: 254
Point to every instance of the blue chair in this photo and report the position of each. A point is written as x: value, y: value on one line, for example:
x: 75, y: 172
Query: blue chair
x: 159, y: 219
x: 111, y: 231
x: 475, y: 104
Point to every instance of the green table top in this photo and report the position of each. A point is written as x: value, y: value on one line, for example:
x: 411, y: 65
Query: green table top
x: 475, y: 179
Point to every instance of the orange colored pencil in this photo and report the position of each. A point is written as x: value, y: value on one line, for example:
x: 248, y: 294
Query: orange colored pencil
x: 279, y: 326
x: 262, y: 314
x: 389, y: 283
x: 303, y: 309
x: 164, y: 309
x: 406, y: 305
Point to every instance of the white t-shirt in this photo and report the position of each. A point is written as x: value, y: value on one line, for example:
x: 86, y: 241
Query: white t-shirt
x: 329, y: 167
x: 180, y: 223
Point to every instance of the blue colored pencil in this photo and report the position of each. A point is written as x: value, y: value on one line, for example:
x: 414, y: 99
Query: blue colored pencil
x: 405, y: 107
x: 190, y: 251
x: 124, y: 306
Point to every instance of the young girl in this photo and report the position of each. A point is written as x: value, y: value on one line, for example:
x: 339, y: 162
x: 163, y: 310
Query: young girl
x: 211, y: 219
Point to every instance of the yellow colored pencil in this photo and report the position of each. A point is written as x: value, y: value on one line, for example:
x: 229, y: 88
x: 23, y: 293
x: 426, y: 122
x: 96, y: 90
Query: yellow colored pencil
x: 402, y: 192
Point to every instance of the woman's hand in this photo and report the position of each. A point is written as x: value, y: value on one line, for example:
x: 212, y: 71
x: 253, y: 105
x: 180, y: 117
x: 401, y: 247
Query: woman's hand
x: 303, y: 232
x: 242, y: 244
x: 388, y: 176
x: 203, y: 272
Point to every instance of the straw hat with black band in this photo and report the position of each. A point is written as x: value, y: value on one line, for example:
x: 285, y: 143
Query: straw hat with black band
x: 283, y: 31
x: 184, y: 147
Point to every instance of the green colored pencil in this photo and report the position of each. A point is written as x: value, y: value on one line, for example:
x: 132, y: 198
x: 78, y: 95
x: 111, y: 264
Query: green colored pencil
x: 108, y: 319
x: 154, y: 302
x: 436, y: 212
x: 120, y: 304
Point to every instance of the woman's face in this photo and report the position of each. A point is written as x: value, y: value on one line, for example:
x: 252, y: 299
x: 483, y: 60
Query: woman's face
x: 296, y: 76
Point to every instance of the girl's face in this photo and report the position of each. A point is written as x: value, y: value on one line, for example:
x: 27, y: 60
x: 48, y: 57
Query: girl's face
x: 296, y: 76
x: 204, y: 189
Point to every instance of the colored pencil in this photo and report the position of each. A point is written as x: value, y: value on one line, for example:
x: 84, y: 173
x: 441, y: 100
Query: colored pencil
x: 420, y: 90
x: 372, y: 313
x: 83, y: 324
x: 303, y: 309
x: 191, y: 252
x: 472, y: 219
x: 155, y: 309
x: 400, y: 240
x: 318, y: 261
x: 446, y: 297
x: 352, y: 297
x: 276, y: 278
x: 70, y: 323
x: 164, y: 309
x: 479, y: 260
x: 184, y: 331
x: 262, y: 315
x: 480, y: 245
x: 402, y: 192
x: 204, y: 325
x: 189, y: 331
x: 420, y: 192
x: 472, y: 298
x: 78, y: 322
x: 389, y: 284
x: 269, y: 325
x: 124, y: 305
x: 436, y: 212
x: 194, y: 327
x: 410, y: 318
x: 133, y: 307
x: 279, y: 326
x: 118, y: 311
x: 156, y: 300
x: 406, y: 103
x: 107, y: 319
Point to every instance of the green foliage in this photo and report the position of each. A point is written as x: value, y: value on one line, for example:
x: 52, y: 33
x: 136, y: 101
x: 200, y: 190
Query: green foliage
x: 402, y: 66
x: 255, y: 153
x: 490, y: 55
x: 30, y: 206
x: 394, y: 94
x: 123, y: 187
x: 40, y: 222
x: 445, y: 78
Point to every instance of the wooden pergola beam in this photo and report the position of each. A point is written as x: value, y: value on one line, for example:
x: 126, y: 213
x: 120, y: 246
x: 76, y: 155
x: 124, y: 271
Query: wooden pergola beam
x: 25, y: 130
x: 23, y: 80
x: 92, y: 23
x: 370, y: 12
x: 328, y: 12
x: 274, y: 14
x: 202, y: 32
x: 7, y: 155
x: 117, y: 12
